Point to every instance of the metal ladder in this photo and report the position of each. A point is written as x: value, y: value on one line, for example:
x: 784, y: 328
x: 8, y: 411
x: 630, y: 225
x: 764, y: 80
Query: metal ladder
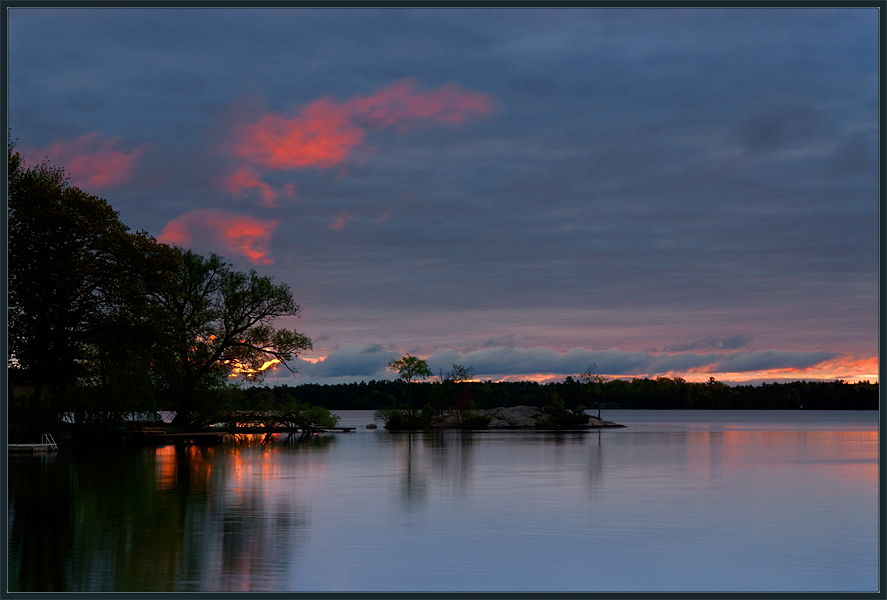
x: 46, y: 438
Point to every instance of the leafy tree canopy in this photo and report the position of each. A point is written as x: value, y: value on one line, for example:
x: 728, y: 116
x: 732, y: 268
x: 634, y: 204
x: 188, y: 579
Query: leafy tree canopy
x: 457, y: 374
x: 217, y: 322
x: 76, y: 273
x: 409, y: 368
x: 121, y: 321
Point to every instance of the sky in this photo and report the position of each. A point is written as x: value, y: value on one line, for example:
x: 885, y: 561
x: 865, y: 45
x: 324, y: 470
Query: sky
x: 657, y: 192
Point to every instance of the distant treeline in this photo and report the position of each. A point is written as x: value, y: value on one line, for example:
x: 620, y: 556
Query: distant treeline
x: 659, y: 393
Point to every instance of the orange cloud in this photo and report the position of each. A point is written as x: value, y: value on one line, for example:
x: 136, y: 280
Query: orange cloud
x: 325, y: 133
x: 92, y: 163
x: 850, y: 368
x: 240, y: 234
x: 847, y: 368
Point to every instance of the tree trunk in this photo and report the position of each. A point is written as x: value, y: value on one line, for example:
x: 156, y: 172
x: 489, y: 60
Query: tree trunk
x: 184, y: 406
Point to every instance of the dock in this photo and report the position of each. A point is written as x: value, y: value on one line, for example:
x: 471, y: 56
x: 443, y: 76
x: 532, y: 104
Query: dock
x: 47, y: 444
x: 31, y: 448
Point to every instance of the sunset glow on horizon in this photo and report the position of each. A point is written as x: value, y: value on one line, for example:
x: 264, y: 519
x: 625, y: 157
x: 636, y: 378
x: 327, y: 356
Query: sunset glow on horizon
x: 846, y: 369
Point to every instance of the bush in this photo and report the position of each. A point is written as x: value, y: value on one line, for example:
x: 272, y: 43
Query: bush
x: 474, y: 420
x: 398, y: 419
x: 556, y: 414
x: 292, y: 413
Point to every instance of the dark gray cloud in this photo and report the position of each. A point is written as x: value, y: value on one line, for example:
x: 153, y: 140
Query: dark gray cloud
x: 856, y: 155
x: 780, y: 127
x: 357, y: 362
x: 353, y: 362
x: 648, y: 177
x: 501, y: 362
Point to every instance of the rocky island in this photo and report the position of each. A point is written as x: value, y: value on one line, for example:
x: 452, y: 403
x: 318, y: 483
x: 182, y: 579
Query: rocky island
x: 515, y: 417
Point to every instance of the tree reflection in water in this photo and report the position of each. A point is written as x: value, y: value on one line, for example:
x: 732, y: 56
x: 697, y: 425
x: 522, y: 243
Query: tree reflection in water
x: 442, y: 457
x: 415, y: 471
x: 454, y: 510
x: 173, y: 518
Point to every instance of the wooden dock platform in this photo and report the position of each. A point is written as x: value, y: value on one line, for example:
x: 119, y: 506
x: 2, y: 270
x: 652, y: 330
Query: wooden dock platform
x: 31, y: 448
x: 47, y: 444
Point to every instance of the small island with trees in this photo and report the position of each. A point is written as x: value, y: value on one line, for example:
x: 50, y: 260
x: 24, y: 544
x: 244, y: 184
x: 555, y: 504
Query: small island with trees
x: 458, y: 410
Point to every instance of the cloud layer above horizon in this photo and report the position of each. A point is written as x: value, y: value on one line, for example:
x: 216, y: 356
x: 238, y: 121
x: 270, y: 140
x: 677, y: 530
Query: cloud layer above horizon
x: 357, y: 362
x: 681, y: 191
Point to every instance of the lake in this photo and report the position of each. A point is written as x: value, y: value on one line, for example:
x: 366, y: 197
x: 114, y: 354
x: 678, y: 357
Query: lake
x: 676, y: 501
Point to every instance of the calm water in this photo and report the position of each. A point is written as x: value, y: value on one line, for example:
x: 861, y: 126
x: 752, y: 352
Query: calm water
x: 679, y: 500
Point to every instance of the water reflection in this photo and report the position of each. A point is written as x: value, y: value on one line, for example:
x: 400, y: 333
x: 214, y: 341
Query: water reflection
x: 414, y: 470
x: 595, y: 471
x: 177, y: 517
x: 645, y: 508
x: 426, y: 459
x: 709, y: 453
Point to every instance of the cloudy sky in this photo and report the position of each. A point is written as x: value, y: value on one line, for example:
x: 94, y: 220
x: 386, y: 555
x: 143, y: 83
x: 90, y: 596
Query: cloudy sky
x: 660, y: 192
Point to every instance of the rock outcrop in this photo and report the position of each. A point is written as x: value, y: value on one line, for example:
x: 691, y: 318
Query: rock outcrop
x: 514, y: 417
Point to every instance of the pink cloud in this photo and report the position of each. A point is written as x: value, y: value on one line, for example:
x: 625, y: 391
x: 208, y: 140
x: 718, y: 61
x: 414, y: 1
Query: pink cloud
x: 245, y: 178
x: 320, y: 136
x: 340, y: 221
x: 325, y: 133
x: 92, y: 163
x: 401, y: 102
x: 239, y: 234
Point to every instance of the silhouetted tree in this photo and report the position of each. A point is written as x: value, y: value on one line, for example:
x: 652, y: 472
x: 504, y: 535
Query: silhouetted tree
x: 77, y: 277
x: 593, y: 382
x: 457, y: 374
x: 408, y: 369
x: 217, y: 321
